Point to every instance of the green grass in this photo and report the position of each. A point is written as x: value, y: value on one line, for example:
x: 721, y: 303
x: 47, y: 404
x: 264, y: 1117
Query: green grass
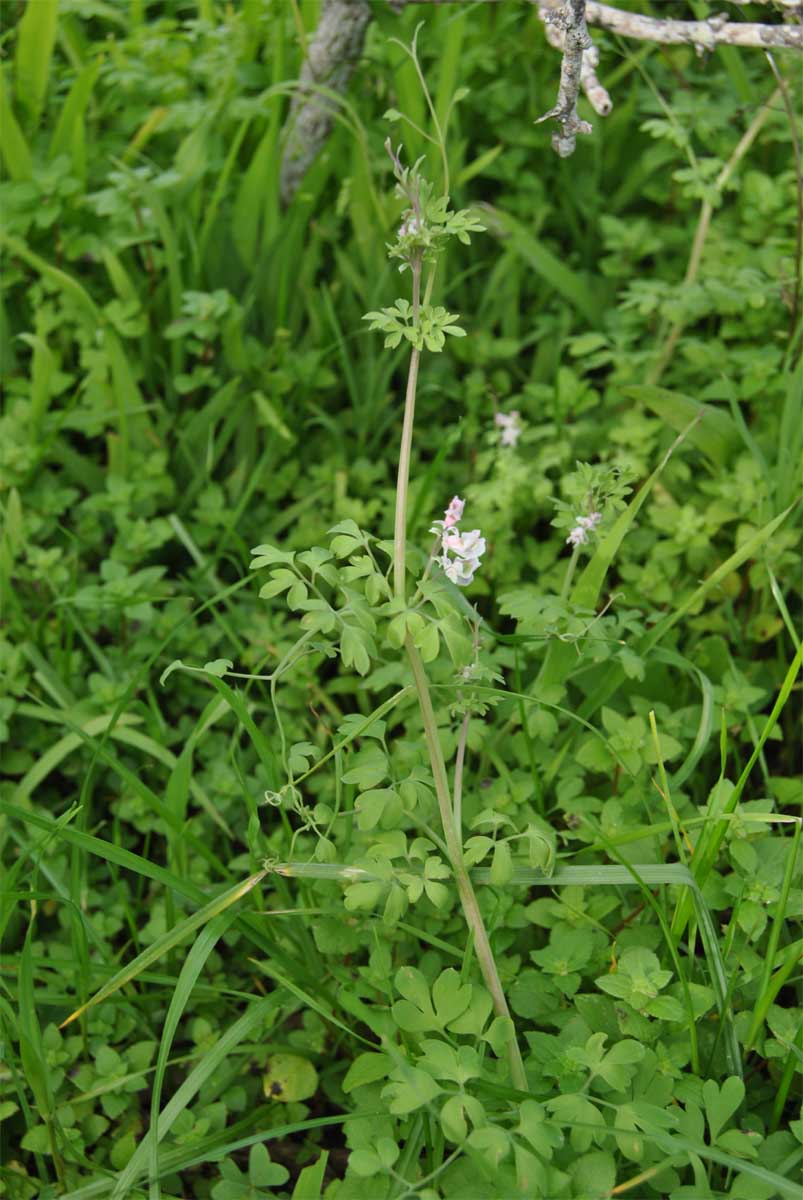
x: 209, y: 868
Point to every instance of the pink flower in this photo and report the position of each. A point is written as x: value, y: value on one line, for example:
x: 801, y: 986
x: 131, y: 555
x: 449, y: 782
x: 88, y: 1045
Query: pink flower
x: 454, y: 512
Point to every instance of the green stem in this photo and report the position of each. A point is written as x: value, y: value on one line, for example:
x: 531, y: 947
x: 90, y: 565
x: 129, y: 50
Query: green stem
x: 405, y: 450
x: 468, y: 899
x: 457, y: 803
x: 567, y: 582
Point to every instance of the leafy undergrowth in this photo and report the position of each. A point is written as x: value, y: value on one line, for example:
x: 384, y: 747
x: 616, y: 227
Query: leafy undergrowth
x: 220, y: 834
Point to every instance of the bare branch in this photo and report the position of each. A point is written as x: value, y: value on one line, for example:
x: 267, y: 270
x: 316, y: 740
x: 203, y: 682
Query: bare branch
x: 793, y: 5
x: 333, y: 55
x: 571, y: 20
x: 703, y: 35
x: 597, y: 95
x: 338, y: 41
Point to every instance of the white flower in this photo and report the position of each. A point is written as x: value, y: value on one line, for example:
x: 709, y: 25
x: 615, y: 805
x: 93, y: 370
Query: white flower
x: 466, y: 547
x: 409, y: 226
x: 510, y: 425
x: 460, y: 570
x: 578, y: 536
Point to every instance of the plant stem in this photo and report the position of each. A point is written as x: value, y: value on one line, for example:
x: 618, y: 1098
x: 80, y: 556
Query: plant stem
x: 567, y: 582
x: 454, y: 846
x: 457, y: 802
x: 403, y: 479
x: 468, y: 899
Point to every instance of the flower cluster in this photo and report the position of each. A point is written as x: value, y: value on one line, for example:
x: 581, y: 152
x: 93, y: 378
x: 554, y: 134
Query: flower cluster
x: 467, y: 548
x: 578, y: 536
x: 410, y: 226
x: 510, y: 425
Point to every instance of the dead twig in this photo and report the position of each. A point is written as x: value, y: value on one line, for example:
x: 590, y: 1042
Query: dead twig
x: 570, y: 20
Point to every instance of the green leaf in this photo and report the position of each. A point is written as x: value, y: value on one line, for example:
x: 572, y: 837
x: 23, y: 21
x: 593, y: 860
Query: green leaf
x: 535, y: 1126
x: 666, y: 1008
x: 218, y: 667
x: 371, y: 805
x: 594, y: 1175
x: 363, y: 895
x: 369, y: 767
x: 310, y: 1182
x: 289, y: 1077
x: 263, y: 1173
x: 618, y: 1066
x: 414, y: 1013
x: 721, y: 1102
x: 428, y: 642
x: 575, y: 1110
x: 269, y: 416
x: 353, y: 725
x: 367, y: 1068
x: 735, y: 1142
x: 265, y: 555
x: 490, y: 1145
x: 451, y: 997
x: 122, y: 1151
x: 349, y: 538
x: 472, y: 1020
x: 280, y: 581
x: 501, y: 865
x: 356, y: 647
x: 410, y: 1088
x: 37, y: 1140
x: 364, y: 1163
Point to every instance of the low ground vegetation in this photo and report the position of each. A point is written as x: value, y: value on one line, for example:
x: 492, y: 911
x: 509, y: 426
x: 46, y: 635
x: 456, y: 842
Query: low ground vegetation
x: 233, y: 910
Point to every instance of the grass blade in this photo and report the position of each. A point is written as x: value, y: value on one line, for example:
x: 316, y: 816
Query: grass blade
x: 710, y: 430
x: 748, y: 549
x: 69, y: 136
x: 168, y: 940
x: 16, y: 154
x: 569, y: 284
x: 766, y: 995
x: 36, y: 36
x: 193, y: 965
x: 226, y: 1044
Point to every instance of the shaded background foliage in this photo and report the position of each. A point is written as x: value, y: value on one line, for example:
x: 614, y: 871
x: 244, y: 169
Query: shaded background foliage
x: 186, y: 375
